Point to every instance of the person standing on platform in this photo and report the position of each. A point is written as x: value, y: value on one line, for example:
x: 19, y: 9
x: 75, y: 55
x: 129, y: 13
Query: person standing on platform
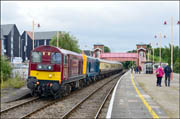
x: 167, y: 71
x: 159, y: 75
x: 136, y: 69
x: 139, y: 69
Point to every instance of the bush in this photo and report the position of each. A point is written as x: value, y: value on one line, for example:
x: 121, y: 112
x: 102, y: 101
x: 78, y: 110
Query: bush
x: 176, y: 66
x: 16, y: 82
x: 5, y: 68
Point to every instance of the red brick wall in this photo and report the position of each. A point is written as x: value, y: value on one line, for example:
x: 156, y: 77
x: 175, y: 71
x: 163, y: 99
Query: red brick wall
x: 99, y: 46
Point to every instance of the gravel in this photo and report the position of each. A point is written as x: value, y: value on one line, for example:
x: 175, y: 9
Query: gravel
x: 58, y: 109
x: 25, y: 109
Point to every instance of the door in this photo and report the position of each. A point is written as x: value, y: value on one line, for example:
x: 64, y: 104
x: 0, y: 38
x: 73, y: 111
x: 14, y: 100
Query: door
x: 65, y: 71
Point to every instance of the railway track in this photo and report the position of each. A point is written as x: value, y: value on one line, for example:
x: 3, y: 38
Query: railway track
x: 18, y: 105
x: 82, y: 107
x: 35, y: 108
x: 19, y: 110
x: 64, y: 105
x: 104, y: 101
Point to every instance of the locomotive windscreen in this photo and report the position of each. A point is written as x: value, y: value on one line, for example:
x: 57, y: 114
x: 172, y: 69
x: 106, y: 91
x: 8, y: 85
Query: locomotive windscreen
x: 56, y: 58
x: 36, y: 57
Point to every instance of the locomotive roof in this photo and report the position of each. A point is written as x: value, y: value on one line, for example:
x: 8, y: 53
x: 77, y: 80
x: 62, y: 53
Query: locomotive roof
x: 59, y: 49
x: 69, y: 52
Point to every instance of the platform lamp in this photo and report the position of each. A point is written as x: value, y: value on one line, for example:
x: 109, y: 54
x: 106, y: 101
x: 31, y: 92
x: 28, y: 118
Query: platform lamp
x: 153, y: 48
x: 160, y: 37
x: 33, y: 24
x: 178, y: 23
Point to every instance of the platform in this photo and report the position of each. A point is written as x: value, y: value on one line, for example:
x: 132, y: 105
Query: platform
x: 15, y: 94
x: 130, y: 101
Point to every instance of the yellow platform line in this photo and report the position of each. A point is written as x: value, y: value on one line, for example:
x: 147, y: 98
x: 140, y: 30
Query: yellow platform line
x: 154, y: 115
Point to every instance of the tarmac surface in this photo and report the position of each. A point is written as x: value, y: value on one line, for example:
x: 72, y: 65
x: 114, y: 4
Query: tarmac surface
x: 129, y: 100
x: 167, y: 98
x: 11, y: 94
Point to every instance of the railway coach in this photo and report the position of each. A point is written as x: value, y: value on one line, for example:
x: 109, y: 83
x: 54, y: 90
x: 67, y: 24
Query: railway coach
x: 54, y: 71
x: 107, y: 68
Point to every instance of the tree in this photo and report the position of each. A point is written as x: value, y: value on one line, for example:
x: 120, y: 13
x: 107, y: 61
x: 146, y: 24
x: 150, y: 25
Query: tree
x: 132, y: 51
x: 66, y: 41
x: 177, y: 66
x: 106, y: 49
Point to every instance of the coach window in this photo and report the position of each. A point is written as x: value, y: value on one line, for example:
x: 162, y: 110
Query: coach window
x: 56, y: 58
x: 89, y: 66
x: 36, y: 57
x: 65, y: 59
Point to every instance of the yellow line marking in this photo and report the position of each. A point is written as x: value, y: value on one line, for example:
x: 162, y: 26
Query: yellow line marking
x: 154, y: 115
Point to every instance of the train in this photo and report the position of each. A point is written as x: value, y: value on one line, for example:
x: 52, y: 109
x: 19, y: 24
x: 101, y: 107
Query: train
x: 55, y: 72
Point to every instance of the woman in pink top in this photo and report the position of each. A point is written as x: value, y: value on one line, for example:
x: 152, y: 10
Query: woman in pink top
x: 159, y: 75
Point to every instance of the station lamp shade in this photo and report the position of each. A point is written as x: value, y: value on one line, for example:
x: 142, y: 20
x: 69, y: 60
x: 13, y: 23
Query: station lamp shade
x: 165, y: 22
x: 178, y: 22
x: 38, y: 25
x: 164, y: 36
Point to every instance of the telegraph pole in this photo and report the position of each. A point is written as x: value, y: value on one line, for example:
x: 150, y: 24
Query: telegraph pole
x: 33, y: 32
x: 160, y: 48
x: 57, y: 39
x: 172, y: 43
x: 153, y: 55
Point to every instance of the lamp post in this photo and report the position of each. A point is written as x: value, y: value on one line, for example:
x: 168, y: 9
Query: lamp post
x: 160, y: 37
x: 160, y: 47
x: 153, y: 48
x: 178, y: 23
x: 33, y: 32
x: 38, y: 25
x: 57, y: 38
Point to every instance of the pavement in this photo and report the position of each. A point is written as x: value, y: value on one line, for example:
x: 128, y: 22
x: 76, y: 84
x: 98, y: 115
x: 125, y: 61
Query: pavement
x: 166, y: 97
x: 129, y: 100
x: 11, y: 94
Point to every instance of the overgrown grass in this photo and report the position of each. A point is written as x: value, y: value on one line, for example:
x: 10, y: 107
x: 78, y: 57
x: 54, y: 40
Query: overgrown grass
x: 13, y: 83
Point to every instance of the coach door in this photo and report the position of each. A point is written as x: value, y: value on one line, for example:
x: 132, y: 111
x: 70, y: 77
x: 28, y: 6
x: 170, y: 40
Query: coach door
x: 65, y: 72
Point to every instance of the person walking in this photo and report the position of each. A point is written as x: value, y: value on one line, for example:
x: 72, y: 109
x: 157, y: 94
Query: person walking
x: 159, y: 75
x: 167, y: 71
x: 136, y: 69
x: 139, y: 69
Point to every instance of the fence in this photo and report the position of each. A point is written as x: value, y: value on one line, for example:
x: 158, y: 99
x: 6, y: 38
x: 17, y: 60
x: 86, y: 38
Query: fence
x: 20, y: 70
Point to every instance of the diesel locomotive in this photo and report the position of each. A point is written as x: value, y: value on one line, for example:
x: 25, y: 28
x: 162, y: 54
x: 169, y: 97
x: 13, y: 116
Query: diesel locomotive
x: 55, y: 71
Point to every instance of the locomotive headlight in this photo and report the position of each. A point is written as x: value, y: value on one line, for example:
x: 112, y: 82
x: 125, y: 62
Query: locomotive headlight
x: 50, y: 75
x: 49, y: 67
x: 39, y: 67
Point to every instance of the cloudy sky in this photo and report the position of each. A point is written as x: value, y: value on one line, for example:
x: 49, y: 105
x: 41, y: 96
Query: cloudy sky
x: 118, y: 25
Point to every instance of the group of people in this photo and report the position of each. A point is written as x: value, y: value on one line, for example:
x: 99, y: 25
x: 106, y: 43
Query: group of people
x: 159, y: 74
x: 138, y: 69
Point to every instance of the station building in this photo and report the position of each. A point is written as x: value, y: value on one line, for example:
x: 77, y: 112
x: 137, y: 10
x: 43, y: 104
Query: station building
x: 10, y: 41
x: 40, y: 38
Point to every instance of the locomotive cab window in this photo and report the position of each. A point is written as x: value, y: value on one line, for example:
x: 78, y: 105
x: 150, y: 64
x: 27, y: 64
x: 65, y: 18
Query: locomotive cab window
x: 56, y: 58
x: 36, y: 57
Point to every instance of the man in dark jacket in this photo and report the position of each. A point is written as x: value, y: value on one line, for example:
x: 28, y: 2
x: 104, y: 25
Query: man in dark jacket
x: 167, y: 71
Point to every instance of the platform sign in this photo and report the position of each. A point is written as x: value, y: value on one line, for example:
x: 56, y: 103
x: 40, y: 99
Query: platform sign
x: 17, y: 60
